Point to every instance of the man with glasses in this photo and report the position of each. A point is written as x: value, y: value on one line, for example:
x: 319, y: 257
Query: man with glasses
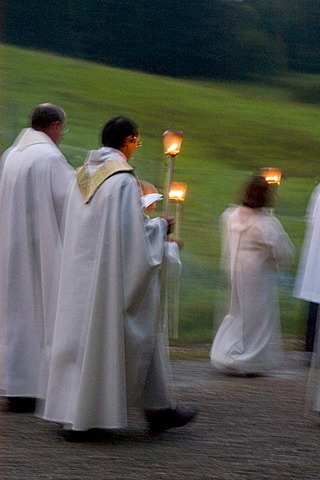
x: 34, y: 182
x: 109, y: 351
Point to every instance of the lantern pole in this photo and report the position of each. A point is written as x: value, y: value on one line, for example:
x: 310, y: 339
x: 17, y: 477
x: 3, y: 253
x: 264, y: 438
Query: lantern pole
x: 177, y: 193
x: 168, y: 181
x: 176, y: 286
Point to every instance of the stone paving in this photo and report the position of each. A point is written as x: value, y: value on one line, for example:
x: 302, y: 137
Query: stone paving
x: 248, y: 428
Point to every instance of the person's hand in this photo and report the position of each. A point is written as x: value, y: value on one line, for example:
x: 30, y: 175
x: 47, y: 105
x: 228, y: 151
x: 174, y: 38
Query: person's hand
x: 178, y: 241
x: 170, y: 224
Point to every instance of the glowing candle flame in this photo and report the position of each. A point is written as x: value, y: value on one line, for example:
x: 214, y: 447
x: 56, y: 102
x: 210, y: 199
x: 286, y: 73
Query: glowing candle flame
x: 178, y: 191
x: 274, y: 179
x: 178, y: 194
x: 172, y: 142
x: 272, y: 175
x: 173, y: 148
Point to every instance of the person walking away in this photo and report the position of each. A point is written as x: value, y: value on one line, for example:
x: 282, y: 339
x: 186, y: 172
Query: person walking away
x: 107, y: 352
x: 34, y: 183
x: 307, y: 283
x: 255, y: 246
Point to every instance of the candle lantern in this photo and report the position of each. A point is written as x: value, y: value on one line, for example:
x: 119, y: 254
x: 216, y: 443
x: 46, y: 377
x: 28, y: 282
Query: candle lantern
x: 172, y: 141
x: 272, y: 175
x: 178, y: 191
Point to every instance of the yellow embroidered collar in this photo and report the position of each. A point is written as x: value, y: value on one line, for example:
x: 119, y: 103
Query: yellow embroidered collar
x: 89, y: 184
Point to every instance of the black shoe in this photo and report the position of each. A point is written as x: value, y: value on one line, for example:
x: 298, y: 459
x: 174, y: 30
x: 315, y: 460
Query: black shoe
x: 21, y: 404
x: 161, y: 420
x: 92, y: 435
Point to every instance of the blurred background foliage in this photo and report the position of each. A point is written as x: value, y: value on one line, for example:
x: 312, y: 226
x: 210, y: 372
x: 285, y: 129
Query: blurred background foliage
x: 226, y: 39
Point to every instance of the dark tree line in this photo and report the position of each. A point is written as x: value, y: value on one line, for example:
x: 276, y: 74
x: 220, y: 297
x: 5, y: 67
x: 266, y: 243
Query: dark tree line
x: 204, y: 38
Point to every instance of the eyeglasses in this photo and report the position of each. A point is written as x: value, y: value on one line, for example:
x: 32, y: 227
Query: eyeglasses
x: 138, y: 142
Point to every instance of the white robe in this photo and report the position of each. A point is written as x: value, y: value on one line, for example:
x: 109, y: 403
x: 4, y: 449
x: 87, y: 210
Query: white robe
x: 254, y: 245
x: 34, y: 182
x: 307, y: 287
x: 109, y: 349
x: 307, y: 284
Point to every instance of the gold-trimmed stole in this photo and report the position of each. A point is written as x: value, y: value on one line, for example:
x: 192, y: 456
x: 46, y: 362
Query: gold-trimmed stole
x: 89, y: 184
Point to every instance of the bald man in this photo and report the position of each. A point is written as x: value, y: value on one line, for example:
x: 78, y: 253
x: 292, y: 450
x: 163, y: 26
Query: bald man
x: 34, y: 181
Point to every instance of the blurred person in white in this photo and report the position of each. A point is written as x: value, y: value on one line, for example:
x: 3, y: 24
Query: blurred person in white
x: 254, y: 247
x: 107, y: 355
x: 307, y: 284
x: 34, y: 182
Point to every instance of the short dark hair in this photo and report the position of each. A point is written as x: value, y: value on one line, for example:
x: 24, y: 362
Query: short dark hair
x: 257, y: 193
x: 116, y: 130
x: 45, y: 114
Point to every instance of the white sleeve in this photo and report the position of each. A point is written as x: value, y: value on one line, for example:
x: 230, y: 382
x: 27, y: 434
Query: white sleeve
x: 279, y: 242
x: 172, y: 257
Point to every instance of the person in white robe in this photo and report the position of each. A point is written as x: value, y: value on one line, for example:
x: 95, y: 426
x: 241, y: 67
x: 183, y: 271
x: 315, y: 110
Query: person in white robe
x: 307, y: 283
x: 108, y: 351
x: 307, y: 287
x: 171, y: 265
x: 34, y: 182
x: 255, y: 246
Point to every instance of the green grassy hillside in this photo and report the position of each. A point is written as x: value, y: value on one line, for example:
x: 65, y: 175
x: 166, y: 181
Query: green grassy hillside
x: 230, y: 130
